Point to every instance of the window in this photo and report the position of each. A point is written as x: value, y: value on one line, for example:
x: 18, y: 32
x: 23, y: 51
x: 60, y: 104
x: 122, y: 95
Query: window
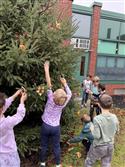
x: 101, y: 62
x: 107, y: 47
x: 84, y: 43
x: 109, y: 29
x: 121, y: 50
x: 120, y: 63
x: 119, y: 91
x: 110, y: 62
x: 84, y: 22
x: 108, y: 33
x: 122, y: 31
x: 82, y: 66
x: 111, y: 68
x: 80, y: 43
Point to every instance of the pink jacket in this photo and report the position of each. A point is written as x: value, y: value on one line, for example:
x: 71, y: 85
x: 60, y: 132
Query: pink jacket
x: 7, y: 138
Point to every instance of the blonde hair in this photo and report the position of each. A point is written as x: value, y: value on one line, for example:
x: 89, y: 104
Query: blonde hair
x: 60, y: 97
x: 96, y: 78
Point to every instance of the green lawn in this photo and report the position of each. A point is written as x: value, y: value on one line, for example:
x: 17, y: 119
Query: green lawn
x: 70, y: 159
x: 69, y: 155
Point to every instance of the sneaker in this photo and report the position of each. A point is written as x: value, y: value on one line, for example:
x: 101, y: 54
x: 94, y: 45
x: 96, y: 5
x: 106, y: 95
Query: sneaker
x: 59, y: 165
x: 42, y: 165
x: 82, y: 106
x: 85, y: 105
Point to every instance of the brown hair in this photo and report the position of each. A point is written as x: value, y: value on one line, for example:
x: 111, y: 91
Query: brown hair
x: 102, y: 87
x: 88, y: 75
x: 2, y: 100
x: 86, y: 118
x: 105, y: 101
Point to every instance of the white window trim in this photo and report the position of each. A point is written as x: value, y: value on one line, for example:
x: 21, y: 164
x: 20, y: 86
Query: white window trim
x: 81, y: 43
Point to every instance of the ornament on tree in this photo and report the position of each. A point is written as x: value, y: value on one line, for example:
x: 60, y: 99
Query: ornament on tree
x: 40, y: 90
x: 78, y: 154
x: 22, y: 47
x: 25, y: 34
x: 58, y: 25
x: 55, y: 26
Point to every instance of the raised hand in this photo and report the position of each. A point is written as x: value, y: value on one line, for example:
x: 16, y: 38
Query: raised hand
x: 46, y: 65
x: 16, y: 94
x: 63, y: 81
x: 23, y: 97
x: 47, y: 75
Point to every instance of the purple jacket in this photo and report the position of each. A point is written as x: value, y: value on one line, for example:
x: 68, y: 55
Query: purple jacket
x: 52, y: 112
x: 7, y: 138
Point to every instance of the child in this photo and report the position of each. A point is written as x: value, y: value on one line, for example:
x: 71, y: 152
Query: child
x: 8, y: 150
x: 86, y: 88
x: 85, y: 135
x: 95, y: 98
x: 105, y: 127
x: 51, y: 118
x: 94, y: 92
x: 101, y: 89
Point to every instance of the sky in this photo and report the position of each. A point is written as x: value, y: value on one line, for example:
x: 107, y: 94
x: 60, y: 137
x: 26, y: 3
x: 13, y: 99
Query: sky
x: 111, y: 5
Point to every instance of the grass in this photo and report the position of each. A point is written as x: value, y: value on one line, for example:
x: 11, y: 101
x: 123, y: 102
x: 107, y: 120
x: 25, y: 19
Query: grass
x: 69, y: 154
x: 70, y: 159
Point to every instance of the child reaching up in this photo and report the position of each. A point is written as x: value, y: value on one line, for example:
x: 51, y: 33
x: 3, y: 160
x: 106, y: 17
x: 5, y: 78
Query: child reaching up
x: 51, y: 118
x: 85, y: 135
x: 8, y: 150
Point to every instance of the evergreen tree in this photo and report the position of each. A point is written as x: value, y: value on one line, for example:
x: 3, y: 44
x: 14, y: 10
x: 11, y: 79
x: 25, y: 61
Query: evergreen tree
x: 30, y: 33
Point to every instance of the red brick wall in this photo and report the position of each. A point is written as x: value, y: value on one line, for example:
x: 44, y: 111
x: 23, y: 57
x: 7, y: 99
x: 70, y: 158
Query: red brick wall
x: 65, y: 8
x: 94, y: 37
x: 65, y: 11
x: 110, y: 88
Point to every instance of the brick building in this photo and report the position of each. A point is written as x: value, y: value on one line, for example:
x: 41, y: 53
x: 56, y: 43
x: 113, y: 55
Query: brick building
x: 101, y: 38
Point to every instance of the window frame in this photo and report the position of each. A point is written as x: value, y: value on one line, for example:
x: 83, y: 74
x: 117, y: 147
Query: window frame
x: 111, y: 74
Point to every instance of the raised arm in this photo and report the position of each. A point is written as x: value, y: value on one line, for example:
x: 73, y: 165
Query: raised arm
x: 47, y: 75
x: 67, y: 89
x: 9, y: 100
x: 18, y: 117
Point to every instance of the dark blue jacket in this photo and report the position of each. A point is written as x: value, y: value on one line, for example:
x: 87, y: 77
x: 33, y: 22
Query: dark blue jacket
x: 85, y: 134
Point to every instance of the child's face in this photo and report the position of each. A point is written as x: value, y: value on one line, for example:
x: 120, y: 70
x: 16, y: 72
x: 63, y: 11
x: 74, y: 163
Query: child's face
x: 88, y: 78
x: 86, y: 118
x: 96, y: 82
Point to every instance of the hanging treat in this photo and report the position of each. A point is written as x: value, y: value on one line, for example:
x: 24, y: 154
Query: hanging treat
x: 22, y: 47
x: 40, y: 90
x: 78, y: 154
x: 58, y: 25
x: 25, y: 34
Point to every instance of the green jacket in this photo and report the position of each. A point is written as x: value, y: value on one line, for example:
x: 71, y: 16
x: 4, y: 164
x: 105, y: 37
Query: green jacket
x: 105, y: 128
